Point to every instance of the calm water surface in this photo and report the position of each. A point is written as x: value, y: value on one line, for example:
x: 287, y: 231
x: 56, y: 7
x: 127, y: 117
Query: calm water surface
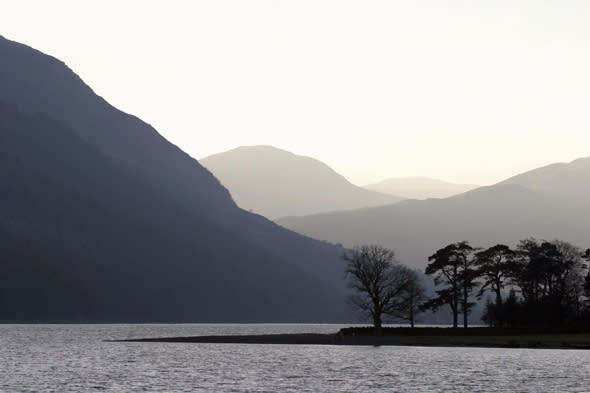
x: 74, y: 358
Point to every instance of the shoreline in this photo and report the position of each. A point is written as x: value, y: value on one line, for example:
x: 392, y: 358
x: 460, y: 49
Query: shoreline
x: 535, y: 340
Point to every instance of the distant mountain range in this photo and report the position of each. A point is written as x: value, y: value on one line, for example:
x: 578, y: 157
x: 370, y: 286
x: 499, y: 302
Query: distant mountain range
x: 570, y: 181
x: 102, y: 219
x: 547, y: 203
x: 419, y: 187
x: 277, y: 183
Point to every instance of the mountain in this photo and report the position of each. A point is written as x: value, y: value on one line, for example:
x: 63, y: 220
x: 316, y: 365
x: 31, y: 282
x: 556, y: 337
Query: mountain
x: 277, y: 183
x: 567, y: 180
x: 419, y: 187
x: 504, y: 213
x: 102, y: 219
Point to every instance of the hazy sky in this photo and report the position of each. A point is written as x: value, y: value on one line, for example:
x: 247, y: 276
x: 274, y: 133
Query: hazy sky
x: 467, y: 91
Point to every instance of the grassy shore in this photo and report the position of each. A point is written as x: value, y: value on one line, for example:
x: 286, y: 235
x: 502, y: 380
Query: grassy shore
x: 442, y: 337
x: 477, y: 337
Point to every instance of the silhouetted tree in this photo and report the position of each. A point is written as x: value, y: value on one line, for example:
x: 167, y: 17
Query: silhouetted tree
x: 557, y: 261
x: 454, y: 267
x: 570, y: 277
x: 509, y: 313
x: 551, y: 281
x: 494, y: 266
x: 534, y: 265
x: 411, y: 299
x: 586, y: 256
x: 379, y: 281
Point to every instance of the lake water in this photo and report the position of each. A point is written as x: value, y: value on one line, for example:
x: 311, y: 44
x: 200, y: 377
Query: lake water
x: 74, y: 358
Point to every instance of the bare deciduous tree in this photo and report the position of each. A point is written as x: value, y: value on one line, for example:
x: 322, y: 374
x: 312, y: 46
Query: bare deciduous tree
x: 379, y: 280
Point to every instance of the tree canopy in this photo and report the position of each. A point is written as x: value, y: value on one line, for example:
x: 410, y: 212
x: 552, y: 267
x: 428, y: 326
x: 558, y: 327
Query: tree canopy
x: 382, y: 285
x: 454, y: 268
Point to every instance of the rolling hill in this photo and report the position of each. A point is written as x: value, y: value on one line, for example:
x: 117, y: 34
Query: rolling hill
x: 567, y: 180
x: 277, y: 183
x: 419, y: 187
x: 533, y: 204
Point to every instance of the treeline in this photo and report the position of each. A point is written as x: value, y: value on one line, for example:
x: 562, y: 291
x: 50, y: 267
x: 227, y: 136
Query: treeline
x: 536, y: 284
x: 547, y: 283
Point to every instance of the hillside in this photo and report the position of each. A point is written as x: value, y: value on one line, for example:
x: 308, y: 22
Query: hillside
x: 567, y: 180
x: 103, y: 219
x: 277, y: 183
x: 506, y: 212
x: 419, y: 187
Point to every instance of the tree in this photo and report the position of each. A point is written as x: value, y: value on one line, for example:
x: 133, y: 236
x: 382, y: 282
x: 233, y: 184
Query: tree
x: 379, y: 280
x: 547, y: 269
x: 586, y: 256
x: 412, y: 299
x: 550, y: 277
x: 569, y: 276
x: 533, y: 268
x: 453, y: 267
x: 494, y: 265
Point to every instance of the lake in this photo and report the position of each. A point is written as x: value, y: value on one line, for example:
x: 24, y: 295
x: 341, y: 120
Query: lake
x: 74, y: 358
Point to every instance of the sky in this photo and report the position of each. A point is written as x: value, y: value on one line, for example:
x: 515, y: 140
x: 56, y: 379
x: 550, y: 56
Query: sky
x: 465, y: 91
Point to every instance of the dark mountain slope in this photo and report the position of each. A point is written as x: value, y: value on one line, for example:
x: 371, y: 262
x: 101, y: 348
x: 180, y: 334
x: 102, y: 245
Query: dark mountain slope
x: 278, y: 183
x: 175, y: 217
x: 35, y: 82
x: 70, y: 252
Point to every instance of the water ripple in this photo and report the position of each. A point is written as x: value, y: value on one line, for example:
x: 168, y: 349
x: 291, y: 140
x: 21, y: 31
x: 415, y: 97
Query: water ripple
x: 74, y: 358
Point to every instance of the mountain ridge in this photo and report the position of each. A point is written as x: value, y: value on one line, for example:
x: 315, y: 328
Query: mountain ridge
x: 419, y: 187
x: 277, y: 183
x: 503, y: 213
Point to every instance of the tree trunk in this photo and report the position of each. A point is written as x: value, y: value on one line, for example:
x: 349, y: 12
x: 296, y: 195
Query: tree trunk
x: 377, y: 323
x: 499, y: 310
x: 465, y: 307
x: 498, y: 297
x: 455, y: 307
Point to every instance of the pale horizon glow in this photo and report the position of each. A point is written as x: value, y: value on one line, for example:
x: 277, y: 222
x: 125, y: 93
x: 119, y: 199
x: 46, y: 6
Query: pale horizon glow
x: 463, y: 91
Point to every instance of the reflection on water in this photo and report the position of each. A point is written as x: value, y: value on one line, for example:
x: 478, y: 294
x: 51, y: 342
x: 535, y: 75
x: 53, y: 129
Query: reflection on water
x: 74, y: 358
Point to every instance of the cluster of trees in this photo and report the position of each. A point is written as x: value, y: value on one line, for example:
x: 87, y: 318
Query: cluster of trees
x: 538, y: 283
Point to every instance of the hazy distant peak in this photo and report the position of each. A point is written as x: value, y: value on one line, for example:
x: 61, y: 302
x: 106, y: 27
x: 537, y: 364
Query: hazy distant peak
x: 419, y: 187
x: 555, y: 206
x: 584, y: 161
x: 272, y: 160
x: 264, y: 149
x: 570, y: 180
x: 498, y: 190
x: 277, y: 183
x: 551, y: 169
x: 423, y: 180
x: 267, y: 150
